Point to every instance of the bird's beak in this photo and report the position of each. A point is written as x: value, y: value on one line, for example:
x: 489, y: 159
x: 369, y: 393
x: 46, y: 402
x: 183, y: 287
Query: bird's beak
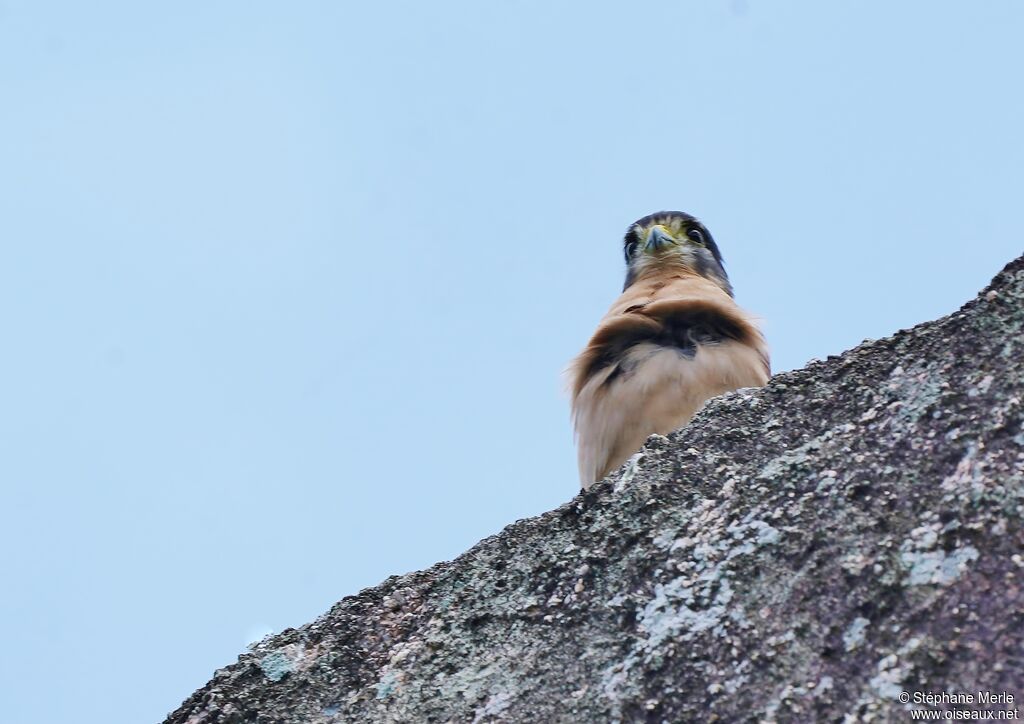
x: 658, y: 238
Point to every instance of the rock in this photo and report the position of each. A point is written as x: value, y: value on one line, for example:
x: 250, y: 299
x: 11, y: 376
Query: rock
x: 806, y: 551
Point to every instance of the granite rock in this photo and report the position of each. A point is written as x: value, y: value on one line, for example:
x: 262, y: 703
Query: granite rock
x: 814, y: 550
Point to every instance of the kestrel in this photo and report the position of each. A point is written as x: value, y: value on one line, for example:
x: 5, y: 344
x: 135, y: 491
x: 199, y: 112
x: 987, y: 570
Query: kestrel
x: 674, y: 339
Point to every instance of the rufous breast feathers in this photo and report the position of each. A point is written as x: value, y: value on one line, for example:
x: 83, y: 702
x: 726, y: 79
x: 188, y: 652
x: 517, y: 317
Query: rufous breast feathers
x: 664, y: 348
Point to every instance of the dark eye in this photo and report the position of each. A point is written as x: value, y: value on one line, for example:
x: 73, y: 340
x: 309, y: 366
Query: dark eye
x: 630, y: 248
x: 696, y: 236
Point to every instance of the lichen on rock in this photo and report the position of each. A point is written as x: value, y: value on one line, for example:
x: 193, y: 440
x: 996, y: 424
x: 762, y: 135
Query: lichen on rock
x: 806, y: 551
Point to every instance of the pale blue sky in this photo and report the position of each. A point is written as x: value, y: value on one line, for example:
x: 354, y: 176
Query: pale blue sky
x: 286, y: 288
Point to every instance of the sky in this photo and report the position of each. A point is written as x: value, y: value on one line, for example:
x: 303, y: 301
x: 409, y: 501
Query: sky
x: 287, y: 289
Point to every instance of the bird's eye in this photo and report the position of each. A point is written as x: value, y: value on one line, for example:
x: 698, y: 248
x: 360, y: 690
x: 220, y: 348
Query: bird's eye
x: 630, y: 249
x: 696, y: 236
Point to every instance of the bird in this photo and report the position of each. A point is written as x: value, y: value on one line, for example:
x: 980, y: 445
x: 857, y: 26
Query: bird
x: 674, y: 339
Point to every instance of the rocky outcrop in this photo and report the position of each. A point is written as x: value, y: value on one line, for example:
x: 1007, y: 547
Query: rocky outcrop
x: 848, y: 536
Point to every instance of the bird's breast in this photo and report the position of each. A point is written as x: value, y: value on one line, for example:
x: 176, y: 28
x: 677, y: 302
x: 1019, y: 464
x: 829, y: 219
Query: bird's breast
x: 650, y: 366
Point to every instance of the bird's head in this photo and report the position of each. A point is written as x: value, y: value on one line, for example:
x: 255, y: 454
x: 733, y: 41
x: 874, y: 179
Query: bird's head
x: 672, y: 239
